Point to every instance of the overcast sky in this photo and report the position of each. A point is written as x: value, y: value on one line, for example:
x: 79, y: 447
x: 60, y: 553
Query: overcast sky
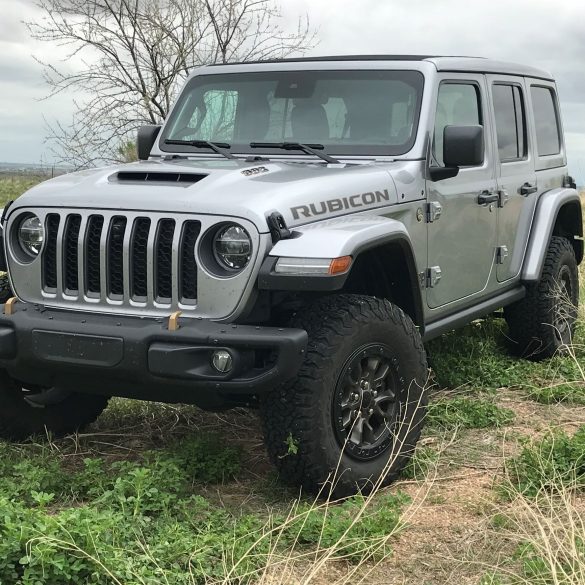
x: 543, y: 33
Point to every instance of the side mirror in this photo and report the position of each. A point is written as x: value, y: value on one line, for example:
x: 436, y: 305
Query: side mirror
x: 145, y: 140
x: 463, y: 146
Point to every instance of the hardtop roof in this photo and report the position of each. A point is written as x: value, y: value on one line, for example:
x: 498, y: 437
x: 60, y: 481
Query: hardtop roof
x: 441, y: 63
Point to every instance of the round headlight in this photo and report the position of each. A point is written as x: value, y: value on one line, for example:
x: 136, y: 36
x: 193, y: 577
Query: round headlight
x: 232, y: 247
x: 31, y: 235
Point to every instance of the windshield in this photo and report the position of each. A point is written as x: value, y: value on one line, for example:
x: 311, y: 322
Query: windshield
x: 348, y: 112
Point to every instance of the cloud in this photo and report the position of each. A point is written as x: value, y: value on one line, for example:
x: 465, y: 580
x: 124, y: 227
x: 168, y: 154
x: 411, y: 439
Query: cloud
x: 535, y: 32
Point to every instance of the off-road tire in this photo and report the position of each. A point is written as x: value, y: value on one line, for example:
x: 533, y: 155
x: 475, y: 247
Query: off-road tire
x: 5, y: 290
x: 20, y: 420
x: 298, y: 416
x: 534, y: 321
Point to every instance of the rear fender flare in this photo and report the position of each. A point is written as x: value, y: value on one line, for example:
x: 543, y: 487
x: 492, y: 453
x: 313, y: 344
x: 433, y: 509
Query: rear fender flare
x: 547, y: 213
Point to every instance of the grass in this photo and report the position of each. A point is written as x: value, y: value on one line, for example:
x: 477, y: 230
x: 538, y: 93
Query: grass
x: 467, y: 413
x: 542, y: 525
x: 73, y: 520
x: 478, y: 357
x: 553, y: 461
x: 12, y: 186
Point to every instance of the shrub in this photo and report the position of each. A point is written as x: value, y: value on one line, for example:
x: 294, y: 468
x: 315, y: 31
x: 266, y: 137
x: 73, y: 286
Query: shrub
x: 555, y: 460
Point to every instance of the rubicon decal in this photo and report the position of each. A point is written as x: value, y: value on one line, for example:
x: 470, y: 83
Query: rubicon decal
x: 333, y: 205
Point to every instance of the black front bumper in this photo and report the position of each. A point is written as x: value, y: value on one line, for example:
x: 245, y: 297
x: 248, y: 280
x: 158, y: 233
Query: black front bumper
x: 141, y: 358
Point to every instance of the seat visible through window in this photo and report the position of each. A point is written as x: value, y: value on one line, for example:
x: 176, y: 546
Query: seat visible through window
x: 309, y: 121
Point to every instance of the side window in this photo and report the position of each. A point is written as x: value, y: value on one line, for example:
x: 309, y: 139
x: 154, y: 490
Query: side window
x: 458, y: 104
x: 510, y: 122
x: 548, y: 136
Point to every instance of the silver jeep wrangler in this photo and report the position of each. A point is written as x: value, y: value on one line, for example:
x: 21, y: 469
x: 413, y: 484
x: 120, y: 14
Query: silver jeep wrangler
x: 289, y: 239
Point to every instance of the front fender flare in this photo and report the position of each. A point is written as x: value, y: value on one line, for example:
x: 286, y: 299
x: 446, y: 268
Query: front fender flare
x: 335, y: 238
x: 347, y: 236
x: 545, y: 218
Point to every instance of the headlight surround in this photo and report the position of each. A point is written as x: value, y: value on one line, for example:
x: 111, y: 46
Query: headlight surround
x: 31, y: 235
x: 232, y: 247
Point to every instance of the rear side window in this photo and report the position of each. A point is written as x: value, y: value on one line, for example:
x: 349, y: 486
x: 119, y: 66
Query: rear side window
x: 510, y: 122
x: 548, y: 135
x: 457, y: 105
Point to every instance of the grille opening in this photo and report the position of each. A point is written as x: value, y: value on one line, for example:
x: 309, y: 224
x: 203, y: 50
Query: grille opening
x: 163, y: 286
x: 115, y: 259
x: 92, y: 254
x: 139, y: 259
x: 50, y: 252
x: 71, y: 254
x: 129, y: 259
x: 141, y: 176
x: 188, y: 265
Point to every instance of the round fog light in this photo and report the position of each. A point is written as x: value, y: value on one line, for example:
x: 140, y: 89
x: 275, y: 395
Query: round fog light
x: 222, y: 361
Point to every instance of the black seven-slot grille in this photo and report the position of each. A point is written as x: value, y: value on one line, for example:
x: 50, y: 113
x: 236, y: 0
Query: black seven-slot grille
x: 110, y: 257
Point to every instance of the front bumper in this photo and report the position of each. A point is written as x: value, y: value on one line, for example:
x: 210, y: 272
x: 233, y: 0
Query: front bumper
x: 141, y: 358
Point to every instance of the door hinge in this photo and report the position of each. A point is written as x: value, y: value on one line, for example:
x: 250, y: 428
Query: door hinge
x: 501, y: 254
x: 433, y: 211
x: 430, y: 277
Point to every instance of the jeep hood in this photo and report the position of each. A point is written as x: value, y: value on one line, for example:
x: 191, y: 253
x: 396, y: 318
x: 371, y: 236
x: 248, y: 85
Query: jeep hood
x: 303, y: 192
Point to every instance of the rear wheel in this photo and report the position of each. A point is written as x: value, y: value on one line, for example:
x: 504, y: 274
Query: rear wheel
x: 543, y: 322
x: 31, y: 410
x: 355, y: 412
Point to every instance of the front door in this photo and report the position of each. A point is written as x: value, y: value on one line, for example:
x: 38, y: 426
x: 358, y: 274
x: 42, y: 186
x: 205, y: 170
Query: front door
x: 517, y: 176
x: 462, y: 241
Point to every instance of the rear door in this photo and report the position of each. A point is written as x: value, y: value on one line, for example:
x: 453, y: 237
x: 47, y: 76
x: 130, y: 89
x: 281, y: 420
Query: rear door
x: 462, y: 241
x: 516, y: 182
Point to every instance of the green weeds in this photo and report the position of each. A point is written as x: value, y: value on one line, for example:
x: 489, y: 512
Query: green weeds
x: 479, y: 357
x: 467, y: 413
x: 143, y: 521
x: 557, y: 459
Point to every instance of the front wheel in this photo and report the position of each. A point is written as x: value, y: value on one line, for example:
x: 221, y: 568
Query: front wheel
x: 354, y: 414
x: 28, y: 410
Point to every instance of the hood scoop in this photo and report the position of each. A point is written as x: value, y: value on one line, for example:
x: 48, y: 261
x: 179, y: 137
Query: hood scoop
x: 156, y: 177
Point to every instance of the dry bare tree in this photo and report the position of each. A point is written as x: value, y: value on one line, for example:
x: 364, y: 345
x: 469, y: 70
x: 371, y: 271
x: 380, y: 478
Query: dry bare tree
x: 127, y: 58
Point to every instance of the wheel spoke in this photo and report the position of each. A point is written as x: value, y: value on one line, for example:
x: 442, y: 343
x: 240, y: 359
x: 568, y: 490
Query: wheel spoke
x: 369, y: 431
x: 346, y: 419
x: 357, y: 432
x: 388, y: 396
x: 381, y: 372
x: 371, y: 367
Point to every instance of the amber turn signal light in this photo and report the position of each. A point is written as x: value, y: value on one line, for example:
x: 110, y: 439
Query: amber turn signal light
x: 339, y: 265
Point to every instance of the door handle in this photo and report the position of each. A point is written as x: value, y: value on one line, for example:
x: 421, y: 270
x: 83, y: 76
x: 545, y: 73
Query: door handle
x: 487, y: 197
x: 528, y: 188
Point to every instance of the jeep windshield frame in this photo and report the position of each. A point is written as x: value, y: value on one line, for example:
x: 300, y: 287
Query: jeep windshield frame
x: 350, y: 112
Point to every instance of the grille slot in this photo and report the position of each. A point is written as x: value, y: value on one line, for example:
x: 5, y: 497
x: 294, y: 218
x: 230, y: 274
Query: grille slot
x: 115, y: 247
x: 92, y: 254
x: 126, y: 260
x: 164, y: 256
x: 188, y: 265
x: 50, y: 252
x: 139, y: 256
x: 71, y: 254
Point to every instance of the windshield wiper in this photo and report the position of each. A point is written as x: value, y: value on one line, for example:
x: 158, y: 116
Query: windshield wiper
x: 306, y: 148
x: 215, y: 146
